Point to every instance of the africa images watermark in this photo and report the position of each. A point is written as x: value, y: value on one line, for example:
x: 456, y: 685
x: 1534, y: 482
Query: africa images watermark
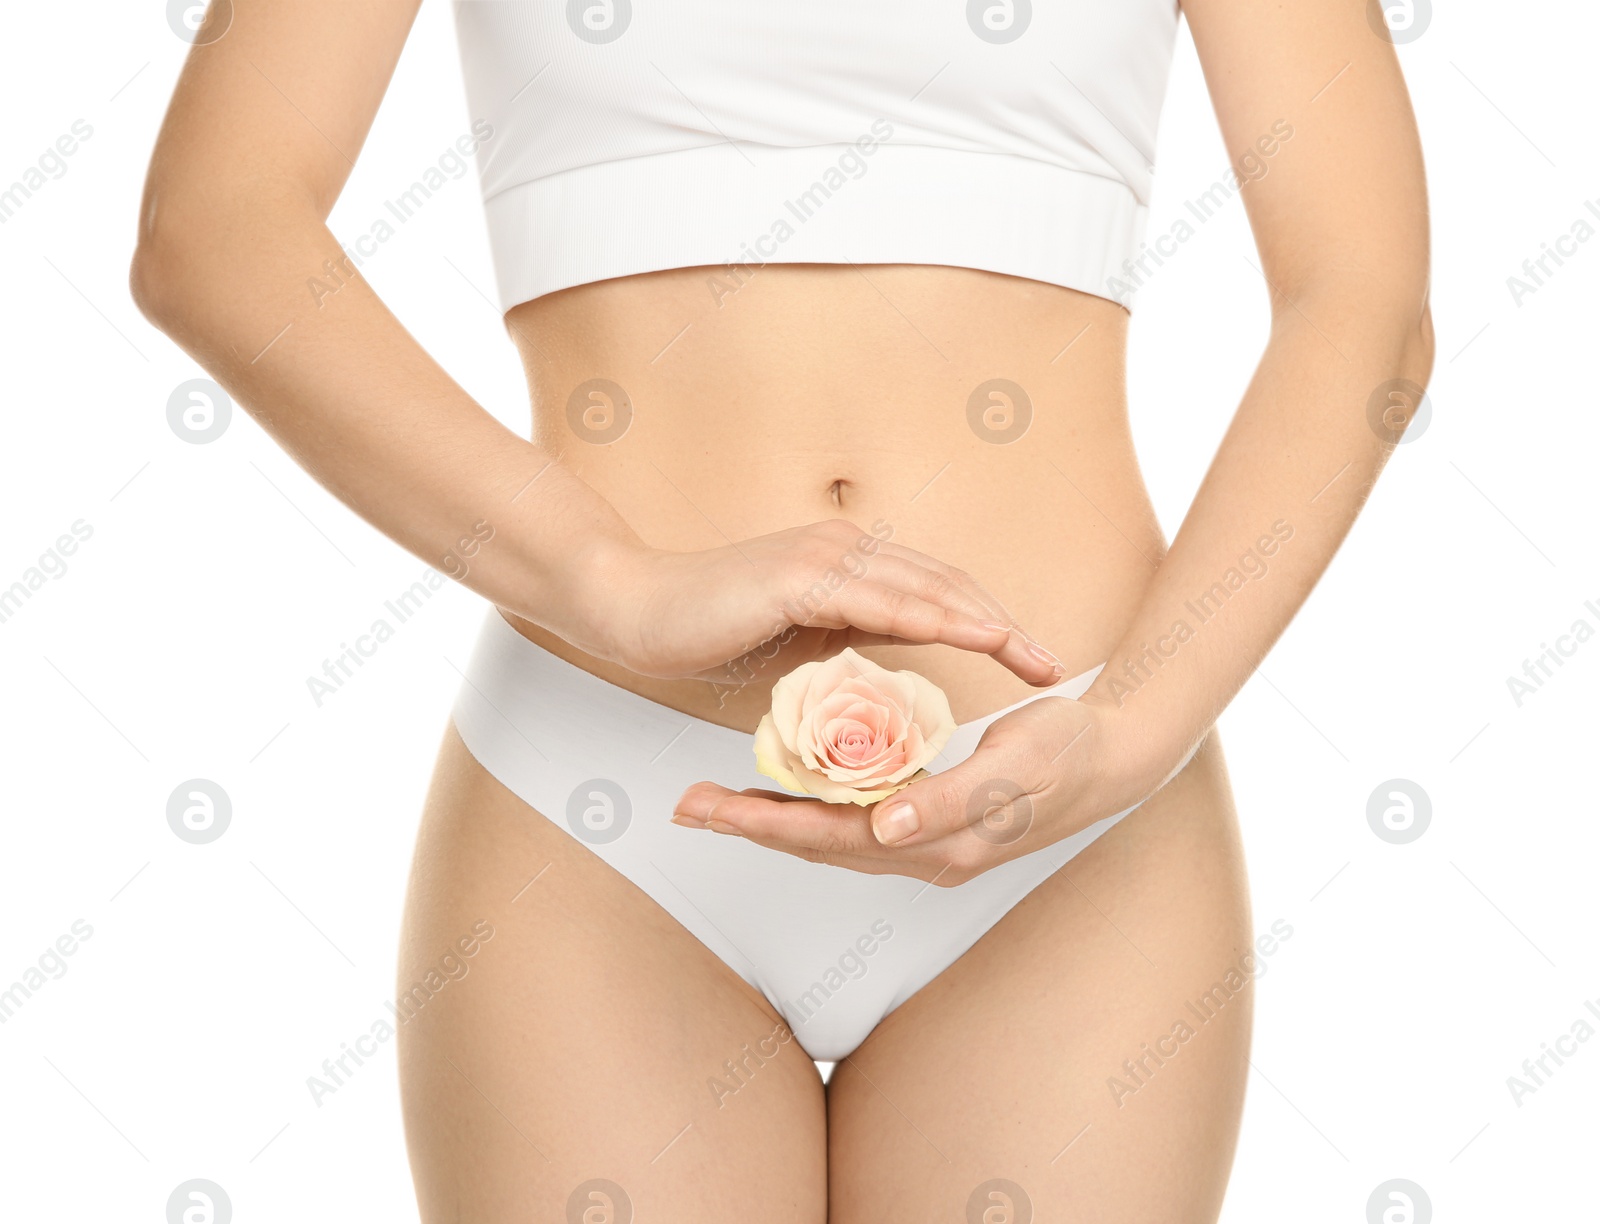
x: 456, y: 563
x: 451, y: 967
x: 1138, y: 1071
x: 1204, y: 607
x: 1252, y: 167
x: 753, y: 255
x: 51, y: 564
x: 49, y: 165
x: 1564, y: 1047
x: 51, y: 966
x: 1537, y: 670
x: 451, y: 164
x: 341, y: 669
x: 1537, y: 271
x: 851, y: 966
x: 739, y: 1074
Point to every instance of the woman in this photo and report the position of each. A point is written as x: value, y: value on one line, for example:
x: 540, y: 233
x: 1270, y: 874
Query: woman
x: 819, y: 307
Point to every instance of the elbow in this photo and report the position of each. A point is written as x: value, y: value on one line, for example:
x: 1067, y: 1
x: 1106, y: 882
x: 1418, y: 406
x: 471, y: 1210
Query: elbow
x: 148, y: 286
x: 150, y: 274
x: 207, y: 265
x: 1419, y: 354
x: 1387, y: 316
x: 185, y: 248
x: 160, y: 280
x: 1403, y: 338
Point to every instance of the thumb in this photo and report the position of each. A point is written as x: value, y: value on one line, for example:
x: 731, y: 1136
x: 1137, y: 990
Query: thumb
x: 988, y: 793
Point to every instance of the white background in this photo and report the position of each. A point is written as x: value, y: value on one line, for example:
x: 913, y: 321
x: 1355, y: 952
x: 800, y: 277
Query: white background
x: 219, y: 577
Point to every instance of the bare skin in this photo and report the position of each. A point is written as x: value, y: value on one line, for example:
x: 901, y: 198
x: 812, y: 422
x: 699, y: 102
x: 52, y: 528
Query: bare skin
x: 807, y: 407
x: 881, y: 1141
x: 751, y: 423
x: 580, y: 1042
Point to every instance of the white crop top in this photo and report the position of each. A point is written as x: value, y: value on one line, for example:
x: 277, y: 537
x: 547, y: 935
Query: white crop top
x: 626, y: 136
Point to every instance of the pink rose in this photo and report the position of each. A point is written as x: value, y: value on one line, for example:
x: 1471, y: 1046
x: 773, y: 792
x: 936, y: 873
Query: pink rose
x: 849, y: 731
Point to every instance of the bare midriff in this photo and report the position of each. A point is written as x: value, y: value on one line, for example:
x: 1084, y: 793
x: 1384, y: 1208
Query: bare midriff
x: 977, y: 417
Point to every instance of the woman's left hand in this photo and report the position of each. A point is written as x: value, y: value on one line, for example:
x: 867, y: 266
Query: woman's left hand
x: 1039, y: 774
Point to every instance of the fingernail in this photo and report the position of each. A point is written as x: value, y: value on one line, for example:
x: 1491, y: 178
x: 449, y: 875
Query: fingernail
x: 722, y: 826
x: 1043, y: 655
x: 996, y: 625
x: 896, y: 824
x: 687, y: 821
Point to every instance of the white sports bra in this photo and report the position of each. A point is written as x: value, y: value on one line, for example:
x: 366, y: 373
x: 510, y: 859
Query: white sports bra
x: 626, y: 136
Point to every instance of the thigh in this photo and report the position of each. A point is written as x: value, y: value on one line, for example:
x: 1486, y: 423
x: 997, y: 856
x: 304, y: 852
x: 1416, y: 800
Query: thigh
x: 1068, y: 1060
x: 561, y: 1036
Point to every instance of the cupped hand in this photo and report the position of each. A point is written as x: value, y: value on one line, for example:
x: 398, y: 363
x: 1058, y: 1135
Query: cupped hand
x: 812, y: 590
x: 1039, y: 774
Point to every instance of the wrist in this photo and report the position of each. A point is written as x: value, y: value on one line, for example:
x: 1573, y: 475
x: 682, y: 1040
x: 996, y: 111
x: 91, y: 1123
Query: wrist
x: 570, y: 579
x: 1135, y: 760
x: 596, y: 593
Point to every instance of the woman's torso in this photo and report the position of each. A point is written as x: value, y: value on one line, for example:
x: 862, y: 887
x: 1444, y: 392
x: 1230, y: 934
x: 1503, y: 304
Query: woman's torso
x: 977, y: 417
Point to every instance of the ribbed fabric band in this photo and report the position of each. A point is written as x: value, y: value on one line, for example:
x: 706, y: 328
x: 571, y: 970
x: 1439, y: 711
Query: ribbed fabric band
x: 752, y: 204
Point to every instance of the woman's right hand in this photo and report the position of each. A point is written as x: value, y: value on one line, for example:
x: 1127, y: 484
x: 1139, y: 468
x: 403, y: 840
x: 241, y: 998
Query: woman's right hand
x: 816, y: 589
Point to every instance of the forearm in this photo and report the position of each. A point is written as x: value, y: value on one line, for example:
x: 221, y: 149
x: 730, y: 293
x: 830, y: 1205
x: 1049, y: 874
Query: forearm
x: 273, y: 309
x: 1291, y: 475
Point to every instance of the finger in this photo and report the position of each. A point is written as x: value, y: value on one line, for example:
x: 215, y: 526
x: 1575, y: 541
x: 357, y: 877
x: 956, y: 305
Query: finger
x: 990, y: 796
x: 697, y: 801
x: 906, y: 596
x: 975, y: 590
x: 809, y: 829
x: 1030, y: 660
x: 1021, y: 644
x: 838, y: 827
x: 1020, y: 653
x: 819, y: 642
x: 893, y: 610
x: 931, y: 581
x: 882, y: 864
x: 897, y: 613
x: 797, y: 644
x: 993, y: 608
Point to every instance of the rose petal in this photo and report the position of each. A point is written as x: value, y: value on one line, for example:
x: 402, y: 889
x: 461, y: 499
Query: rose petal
x: 848, y: 730
x: 788, y: 696
x: 770, y: 755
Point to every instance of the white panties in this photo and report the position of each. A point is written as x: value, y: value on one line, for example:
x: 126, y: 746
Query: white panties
x: 834, y: 951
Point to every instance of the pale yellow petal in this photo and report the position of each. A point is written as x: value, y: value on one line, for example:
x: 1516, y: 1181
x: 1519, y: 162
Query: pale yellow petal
x: 788, y: 703
x: 772, y: 758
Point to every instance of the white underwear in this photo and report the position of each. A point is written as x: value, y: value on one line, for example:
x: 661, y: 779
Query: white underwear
x: 834, y: 951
